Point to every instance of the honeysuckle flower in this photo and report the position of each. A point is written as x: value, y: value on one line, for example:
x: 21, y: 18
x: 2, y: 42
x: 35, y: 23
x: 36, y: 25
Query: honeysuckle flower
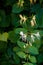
x: 33, y: 21
x: 21, y: 33
x: 23, y: 36
x: 37, y: 35
x: 34, y: 17
x: 23, y: 19
x: 21, y: 3
x: 32, y: 38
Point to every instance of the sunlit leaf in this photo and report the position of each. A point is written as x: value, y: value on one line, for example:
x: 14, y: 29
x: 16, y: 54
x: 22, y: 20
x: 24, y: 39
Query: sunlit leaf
x: 4, y: 36
x: 32, y: 59
x: 21, y: 54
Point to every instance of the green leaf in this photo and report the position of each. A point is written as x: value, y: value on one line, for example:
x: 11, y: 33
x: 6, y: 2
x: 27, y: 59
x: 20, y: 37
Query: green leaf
x: 32, y: 59
x: 41, y: 33
x: 39, y: 18
x: 21, y: 44
x: 21, y: 54
x: 18, y: 30
x: 28, y: 49
x: 17, y: 8
x: 27, y: 24
x: 13, y: 37
x: 4, y: 36
x: 16, y: 49
x: 33, y: 50
x: 28, y: 63
x: 16, y: 59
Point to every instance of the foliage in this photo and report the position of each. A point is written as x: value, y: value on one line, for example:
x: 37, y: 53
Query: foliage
x: 21, y: 32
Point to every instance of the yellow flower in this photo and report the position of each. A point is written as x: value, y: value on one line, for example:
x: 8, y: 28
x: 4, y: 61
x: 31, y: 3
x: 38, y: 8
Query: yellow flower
x: 22, y: 19
x: 33, y: 21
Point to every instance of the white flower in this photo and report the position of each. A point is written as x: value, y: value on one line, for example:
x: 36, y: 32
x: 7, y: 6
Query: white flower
x: 21, y: 33
x: 23, y: 36
x: 37, y: 35
x: 32, y: 38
